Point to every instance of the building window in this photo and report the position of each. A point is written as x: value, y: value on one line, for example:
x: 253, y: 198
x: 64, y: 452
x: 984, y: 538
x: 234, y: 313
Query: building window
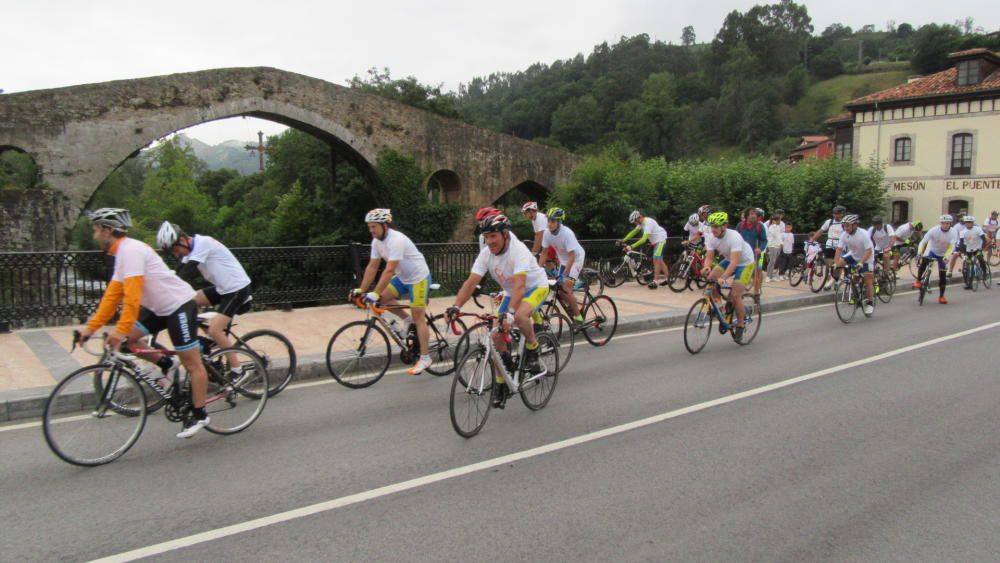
x: 961, y: 154
x: 957, y: 208
x: 904, y: 149
x: 900, y: 212
x: 844, y: 150
x: 968, y: 73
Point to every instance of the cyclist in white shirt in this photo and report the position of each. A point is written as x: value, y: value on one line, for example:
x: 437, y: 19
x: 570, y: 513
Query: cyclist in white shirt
x: 736, y: 267
x: 775, y: 229
x: 972, y: 241
x: 657, y: 238
x: 832, y: 227
x: 696, y: 230
x: 571, y: 256
x: 153, y: 298
x: 902, y: 236
x: 525, y: 285
x: 883, y: 237
x: 855, y: 248
x: 937, y: 245
x: 406, y: 272
x: 991, y: 225
x: 539, y: 224
x: 959, y: 248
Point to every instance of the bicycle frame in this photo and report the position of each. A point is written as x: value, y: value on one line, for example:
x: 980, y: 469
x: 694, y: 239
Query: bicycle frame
x: 512, y: 380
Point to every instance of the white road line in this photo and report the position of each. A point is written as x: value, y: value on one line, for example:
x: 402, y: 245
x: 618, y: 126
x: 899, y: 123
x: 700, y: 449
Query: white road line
x: 333, y: 504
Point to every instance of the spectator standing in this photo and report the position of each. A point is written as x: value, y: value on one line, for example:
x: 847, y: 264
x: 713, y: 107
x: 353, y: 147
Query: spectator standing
x: 787, y: 248
x: 775, y: 230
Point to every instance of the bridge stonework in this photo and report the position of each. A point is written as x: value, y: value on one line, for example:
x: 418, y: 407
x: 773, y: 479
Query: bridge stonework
x: 80, y: 134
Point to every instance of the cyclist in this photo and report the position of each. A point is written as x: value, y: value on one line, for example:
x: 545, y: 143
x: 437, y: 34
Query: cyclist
x: 483, y: 213
x: 657, y: 238
x: 525, y: 286
x: 959, y: 248
x: 883, y: 236
x: 902, y: 237
x: 230, y: 287
x: 153, y: 298
x: 696, y: 229
x: 855, y: 248
x: 754, y: 232
x: 990, y: 227
x: 571, y: 256
x: 973, y: 238
x: 937, y: 245
x: 406, y: 272
x: 736, y: 269
x: 539, y: 224
x: 833, y: 228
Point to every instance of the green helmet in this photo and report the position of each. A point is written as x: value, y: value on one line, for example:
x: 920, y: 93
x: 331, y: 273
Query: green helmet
x: 556, y: 214
x: 718, y: 219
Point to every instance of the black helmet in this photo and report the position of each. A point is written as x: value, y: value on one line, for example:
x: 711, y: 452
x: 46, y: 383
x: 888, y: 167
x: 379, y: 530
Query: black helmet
x: 877, y: 219
x: 494, y: 224
x: 839, y: 209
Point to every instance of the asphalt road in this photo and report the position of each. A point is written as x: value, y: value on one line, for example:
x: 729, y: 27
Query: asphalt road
x: 889, y: 459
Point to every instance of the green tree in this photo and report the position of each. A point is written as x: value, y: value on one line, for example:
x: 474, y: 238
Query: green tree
x: 688, y: 37
x: 408, y: 91
x: 170, y: 192
x: 576, y: 122
x: 17, y: 171
x: 931, y: 45
x: 827, y: 64
x: 651, y: 122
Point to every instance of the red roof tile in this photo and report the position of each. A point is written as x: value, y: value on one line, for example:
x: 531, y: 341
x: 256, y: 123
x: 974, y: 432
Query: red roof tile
x: 968, y: 52
x: 939, y: 84
x: 813, y: 138
x: 846, y: 116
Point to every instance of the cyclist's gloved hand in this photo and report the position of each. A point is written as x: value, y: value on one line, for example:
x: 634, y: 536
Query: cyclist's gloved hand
x: 371, y: 297
x: 451, y: 312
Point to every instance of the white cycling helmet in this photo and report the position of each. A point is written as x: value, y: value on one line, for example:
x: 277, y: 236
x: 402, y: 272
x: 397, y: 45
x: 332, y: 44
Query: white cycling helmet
x: 946, y: 218
x: 529, y: 206
x: 694, y: 219
x: 167, y: 236
x: 379, y: 215
x: 968, y: 219
x: 115, y: 217
x: 851, y: 219
x: 632, y: 217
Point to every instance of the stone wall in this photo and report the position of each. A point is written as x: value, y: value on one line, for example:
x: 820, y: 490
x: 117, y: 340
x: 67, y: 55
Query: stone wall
x: 33, y: 219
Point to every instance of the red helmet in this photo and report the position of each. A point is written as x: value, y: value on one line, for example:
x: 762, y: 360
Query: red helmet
x: 529, y: 206
x: 486, y: 212
x: 494, y: 224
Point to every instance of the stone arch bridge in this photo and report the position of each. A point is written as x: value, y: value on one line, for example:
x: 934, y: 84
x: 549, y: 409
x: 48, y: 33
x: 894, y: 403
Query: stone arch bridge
x: 79, y: 134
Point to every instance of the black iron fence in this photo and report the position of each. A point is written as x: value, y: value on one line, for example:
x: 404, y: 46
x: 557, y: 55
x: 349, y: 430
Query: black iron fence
x: 50, y: 288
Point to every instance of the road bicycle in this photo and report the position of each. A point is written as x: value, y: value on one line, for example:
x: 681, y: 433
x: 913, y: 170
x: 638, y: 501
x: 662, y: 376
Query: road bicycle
x: 885, y: 282
x: 483, y: 370
x: 600, y: 314
x: 632, y: 264
x: 811, y: 269
x: 687, y: 270
x: 849, y: 294
x: 714, y: 305
x: 975, y: 271
x: 359, y: 353
x: 992, y: 252
x: 925, y: 280
x: 95, y: 414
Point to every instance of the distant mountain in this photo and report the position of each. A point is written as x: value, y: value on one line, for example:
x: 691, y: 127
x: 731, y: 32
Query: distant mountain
x: 230, y: 154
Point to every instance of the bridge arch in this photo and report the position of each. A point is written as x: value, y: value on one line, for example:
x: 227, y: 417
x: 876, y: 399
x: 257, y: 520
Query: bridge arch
x: 444, y: 186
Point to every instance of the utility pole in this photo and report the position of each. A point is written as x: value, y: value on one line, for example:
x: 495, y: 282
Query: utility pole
x: 259, y: 148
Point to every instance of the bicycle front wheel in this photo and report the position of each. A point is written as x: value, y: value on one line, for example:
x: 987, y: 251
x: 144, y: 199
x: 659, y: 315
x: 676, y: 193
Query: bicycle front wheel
x: 796, y: 271
x: 358, y: 354
x: 845, y: 302
x: 562, y: 328
x: 698, y: 325
x: 235, y: 400
x: 987, y: 276
x: 441, y: 344
x: 277, y: 355
x: 818, y: 275
x: 887, y: 286
x: 600, y: 320
x: 751, y: 319
x: 89, y: 428
x: 537, y: 390
x: 993, y: 257
x: 679, y: 276
x: 612, y: 272
x: 472, y: 392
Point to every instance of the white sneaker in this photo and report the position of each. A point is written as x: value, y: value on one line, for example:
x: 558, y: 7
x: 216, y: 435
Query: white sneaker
x: 192, y: 427
x: 868, y: 307
x: 422, y: 364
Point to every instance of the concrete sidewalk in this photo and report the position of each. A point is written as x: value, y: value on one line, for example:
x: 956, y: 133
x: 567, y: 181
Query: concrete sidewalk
x: 33, y: 360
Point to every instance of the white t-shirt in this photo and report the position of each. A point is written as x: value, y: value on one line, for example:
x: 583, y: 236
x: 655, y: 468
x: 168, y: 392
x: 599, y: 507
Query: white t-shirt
x: 774, y: 233
x: 701, y: 228
x: 857, y: 245
x: 540, y: 222
x: 938, y: 241
x: 217, y: 264
x: 903, y: 233
x: 959, y: 229
x: 991, y: 225
x: 564, y: 242
x: 787, y: 242
x: 656, y: 233
x: 516, y: 259
x: 162, y: 291
x: 972, y: 239
x: 833, y: 230
x: 412, y: 267
x: 882, y: 238
x: 730, y: 242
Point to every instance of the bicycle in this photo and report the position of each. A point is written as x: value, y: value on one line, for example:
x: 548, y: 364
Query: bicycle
x: 885, y: 282
x: 687, y: 270
x: 974, y: 272
x: 481, y: 371
x: 600, y: 315
x: 849, y: 294
x: 632, y: 264
x: 991, y: 251
x: 925, y: 283
x: 359, y: 353
x: 704, y: 311
x: 811, y: 269
x: 96, y: 413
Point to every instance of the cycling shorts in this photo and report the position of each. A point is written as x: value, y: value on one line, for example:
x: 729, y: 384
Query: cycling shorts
x: 742, y: 274
x: 228, y: 304
x: 574, y: 272
x: 182, y: 325
x: 865, y: 268
x: 418, y: 293
x: 658, y: 250
x: 534, y: 296
x: 939, y: 259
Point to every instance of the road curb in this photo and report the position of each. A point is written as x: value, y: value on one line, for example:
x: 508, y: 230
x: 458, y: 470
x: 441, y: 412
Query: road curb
x: 30, y: 403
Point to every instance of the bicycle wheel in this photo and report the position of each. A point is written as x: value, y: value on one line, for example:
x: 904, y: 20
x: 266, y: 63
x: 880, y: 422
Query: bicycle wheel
x: 987, y: 276
x: 85, y: 428
x: 154, y: 401
x: 967, y: 274
x: 472, y: 392
x: 680, y: 279
x: 277, y: 355
x: 536, y: 391
x: 698, y: 325
x: 644, y: 273
x: 993, y: 257
x: 562, y: 328
x: 751, y: 319
x: 358, y: 354
x: 234, y: 401
x: 818, y: 275
x: 592, y: 281
x: 974, y: 275
x: 612, y: 271
x: 887, y: 286
x: 440, y: 347
x: 845, y: 301
x: 600, y: 320
x: 796, y: 271
x: 914, y: 266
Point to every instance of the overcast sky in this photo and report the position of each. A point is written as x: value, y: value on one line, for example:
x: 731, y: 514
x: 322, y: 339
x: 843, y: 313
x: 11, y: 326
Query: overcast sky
x: 51, y: 43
